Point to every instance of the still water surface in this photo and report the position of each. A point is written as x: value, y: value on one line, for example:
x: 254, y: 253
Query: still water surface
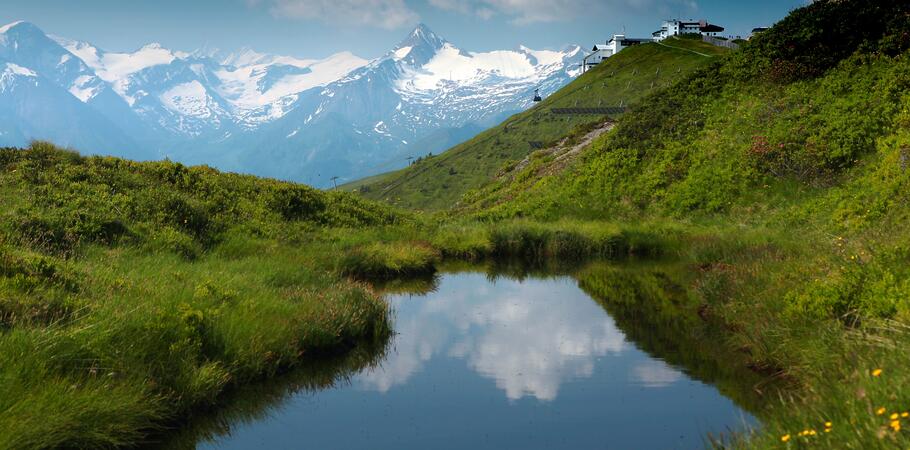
x: 495, y: 363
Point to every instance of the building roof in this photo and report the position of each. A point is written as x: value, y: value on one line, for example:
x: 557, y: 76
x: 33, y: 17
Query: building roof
x: 711, y: 28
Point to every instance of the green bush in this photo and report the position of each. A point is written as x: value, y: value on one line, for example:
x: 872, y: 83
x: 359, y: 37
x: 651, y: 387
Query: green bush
x: 811, y: 40
x: 866, y: 286
x: 296, y: 202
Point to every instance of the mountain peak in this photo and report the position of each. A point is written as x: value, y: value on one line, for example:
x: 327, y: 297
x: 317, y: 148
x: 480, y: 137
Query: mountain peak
x: 422, y: 29
x: 422, y: 37
x: 8, y: 26
x: 20, y: 26
x: 419, y: 47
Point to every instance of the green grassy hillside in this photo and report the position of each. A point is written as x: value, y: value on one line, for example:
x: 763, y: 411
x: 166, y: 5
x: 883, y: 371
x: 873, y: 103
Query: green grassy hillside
x: 795, y: 153
x: 133, y: 293
x: 438, y: 181
x: 798, y: 111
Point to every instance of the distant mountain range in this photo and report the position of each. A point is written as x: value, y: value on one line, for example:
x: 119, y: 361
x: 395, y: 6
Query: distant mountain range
x: 277, y: 116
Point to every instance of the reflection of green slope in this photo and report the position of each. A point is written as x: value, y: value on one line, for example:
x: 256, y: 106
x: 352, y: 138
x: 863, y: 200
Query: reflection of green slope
x: 648, y: 303
x: 255, y: 402
x: 514, y: 268
x: 438, y: 182
x: 652, y: 307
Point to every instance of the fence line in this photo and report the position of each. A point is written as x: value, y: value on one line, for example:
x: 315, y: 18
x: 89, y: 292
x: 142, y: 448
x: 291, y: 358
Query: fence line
x: 720, y: 42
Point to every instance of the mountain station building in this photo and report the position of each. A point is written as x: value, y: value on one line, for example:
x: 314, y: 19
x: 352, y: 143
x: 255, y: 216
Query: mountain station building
x: 616, y: 44
x: 671, y: 27
x: 675, y: 27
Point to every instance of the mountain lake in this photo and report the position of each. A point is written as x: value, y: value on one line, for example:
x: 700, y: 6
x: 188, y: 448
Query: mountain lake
x: 495, y: 358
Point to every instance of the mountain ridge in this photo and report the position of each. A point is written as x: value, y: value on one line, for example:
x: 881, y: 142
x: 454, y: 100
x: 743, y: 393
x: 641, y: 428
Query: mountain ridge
x: 258, y: 113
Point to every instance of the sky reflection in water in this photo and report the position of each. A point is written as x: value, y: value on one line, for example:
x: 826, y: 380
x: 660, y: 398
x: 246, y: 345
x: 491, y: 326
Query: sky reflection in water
x: 502, y: 364
x: 527, y: 337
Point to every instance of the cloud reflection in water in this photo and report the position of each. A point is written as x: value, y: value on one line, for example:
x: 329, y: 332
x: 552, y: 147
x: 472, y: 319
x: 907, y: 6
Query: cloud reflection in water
x: 529, y: 337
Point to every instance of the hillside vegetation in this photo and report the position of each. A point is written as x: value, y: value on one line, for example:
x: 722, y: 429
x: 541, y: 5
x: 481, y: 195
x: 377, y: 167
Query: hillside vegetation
x: 744, y: 127
x: 132, y: 293
x: 438, y: 181
x: 789, y: 161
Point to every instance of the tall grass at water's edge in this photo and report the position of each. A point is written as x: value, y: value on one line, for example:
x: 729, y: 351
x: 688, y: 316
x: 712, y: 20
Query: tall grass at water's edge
x: 159, y: 336
x: 474, y: 241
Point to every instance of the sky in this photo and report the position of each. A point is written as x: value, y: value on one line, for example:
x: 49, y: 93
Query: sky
x: 369, y: 28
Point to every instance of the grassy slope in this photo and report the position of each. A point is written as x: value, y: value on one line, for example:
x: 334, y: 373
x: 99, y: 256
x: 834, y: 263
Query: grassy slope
x: 437, y: 182
x: 133, y: 293
x: 789, y: 162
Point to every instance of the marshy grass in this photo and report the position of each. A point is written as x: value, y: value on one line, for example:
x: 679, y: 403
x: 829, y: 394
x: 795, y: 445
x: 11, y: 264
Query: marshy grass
x: 159, y: 336
x: 573, y: 240
x: 383, y: 261
x: 862, y: 405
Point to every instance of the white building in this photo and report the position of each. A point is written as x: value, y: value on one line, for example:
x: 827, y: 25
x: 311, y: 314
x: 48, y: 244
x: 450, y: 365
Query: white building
x: 616, y: 44
x: 675, y: 27
x: 597, y: 55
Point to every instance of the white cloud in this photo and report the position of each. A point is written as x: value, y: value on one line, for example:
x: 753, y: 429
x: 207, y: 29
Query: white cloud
x: 472, y: 7
x: 525, y: 12
x: 389, y: 14
x: 485, y: 13
x: 655, y: 374
x: 461, y: 6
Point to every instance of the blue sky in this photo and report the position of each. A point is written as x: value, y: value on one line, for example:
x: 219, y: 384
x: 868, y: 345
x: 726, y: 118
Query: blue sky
x: 317, y: 28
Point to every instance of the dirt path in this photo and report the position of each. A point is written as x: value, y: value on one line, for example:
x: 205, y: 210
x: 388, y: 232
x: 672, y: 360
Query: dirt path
x: 563, y: 155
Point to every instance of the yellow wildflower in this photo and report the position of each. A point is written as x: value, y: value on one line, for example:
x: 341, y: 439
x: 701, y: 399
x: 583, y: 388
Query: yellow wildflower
x: 876, y: 372
x: 905, y: 414
x: 785, y: 438
x: 827, y: 430
x: 896, y: 425
x: 894, y: 416
x: 880, y: 411
x: 828, y: 424
x: 812, y: 433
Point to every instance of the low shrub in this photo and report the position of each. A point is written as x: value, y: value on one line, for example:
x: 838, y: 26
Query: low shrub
x: 295, y: 202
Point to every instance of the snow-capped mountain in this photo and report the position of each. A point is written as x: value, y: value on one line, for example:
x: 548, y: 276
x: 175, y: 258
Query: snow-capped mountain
x: 298, y: 119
